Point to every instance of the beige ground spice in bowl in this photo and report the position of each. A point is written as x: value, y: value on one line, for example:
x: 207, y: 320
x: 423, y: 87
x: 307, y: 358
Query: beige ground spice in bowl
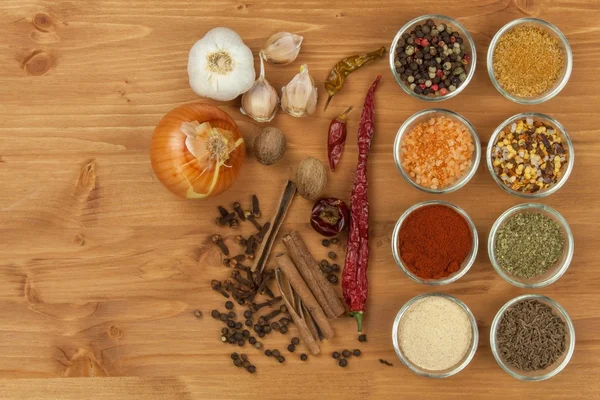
x: 435, y: 335
x: 529, y: 61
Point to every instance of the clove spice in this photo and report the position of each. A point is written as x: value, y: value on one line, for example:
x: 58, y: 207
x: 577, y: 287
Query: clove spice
x: 255, y: 207
x: 218, y: 240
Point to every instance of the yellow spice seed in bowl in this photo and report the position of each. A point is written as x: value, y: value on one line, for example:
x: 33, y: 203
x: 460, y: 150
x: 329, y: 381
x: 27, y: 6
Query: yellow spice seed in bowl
x: 437, y: 153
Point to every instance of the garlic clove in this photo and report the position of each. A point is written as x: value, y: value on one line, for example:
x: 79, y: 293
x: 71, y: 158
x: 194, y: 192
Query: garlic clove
x: 260, y: 102
x: 282, y: 48
x: 299, y: 97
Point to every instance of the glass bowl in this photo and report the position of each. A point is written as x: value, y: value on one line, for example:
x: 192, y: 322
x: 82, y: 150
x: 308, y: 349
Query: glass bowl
x: 469, y: 49
x: 566, y: 141
x: 567, y: 55
x: 554, y: 272
x: 466, y: 265
x: 443, y: 373
x: 554, y: 369
x: 423, y: 116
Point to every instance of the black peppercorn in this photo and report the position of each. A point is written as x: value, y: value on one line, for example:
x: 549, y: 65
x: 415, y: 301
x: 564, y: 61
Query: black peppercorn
x: 215, y: 314
x: 257, y: 328
x: 251, y: 369
x: 246, y: 364
x: 267, y: 329
x: 261, y: 334
x: 283, y: 329
x: 225, y: 331
x: 343, y: 362
x: 325, y: 242
x: 281, y: 359
x: 229, y: 305
x: 246, y: 333
x: 252, y: 340
x: 291, y: 348
x: 276, y: 353
x: 332, y: 278
x: 238, y: 336
x: 237, y: 362
x: 335, y: 355
x: 324, y: 263
x: 346, y: 353
x: 295, y: 341
x: 247, y: 314
x: 362, y: 338
x: 234, y: 356
x: 284, y: 321
x: 275, y: 326
x: 241, y: 302
x: 231, y: 340
x: 223, y: 317
x: 356, y: 352
x: 238, y: 325
x: 303, y: 357
x: 268, y: 353
x: 231, y: 315
x: 244, y: 356
x: 241, y: 342
x: 231, y: 324
x: 248, y: 322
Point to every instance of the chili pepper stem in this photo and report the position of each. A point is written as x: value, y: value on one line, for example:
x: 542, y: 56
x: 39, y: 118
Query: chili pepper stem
x: 345, y: 113
x: 328, y: 100
x: 359, y: 316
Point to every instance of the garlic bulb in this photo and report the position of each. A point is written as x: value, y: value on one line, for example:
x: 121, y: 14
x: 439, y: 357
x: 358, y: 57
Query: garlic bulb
x: 260, y: 102
x: 220, y: 65
x: 282, y: 48
x: 299, y: 97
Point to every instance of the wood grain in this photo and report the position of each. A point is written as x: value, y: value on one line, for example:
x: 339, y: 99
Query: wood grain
x: 101, y: 268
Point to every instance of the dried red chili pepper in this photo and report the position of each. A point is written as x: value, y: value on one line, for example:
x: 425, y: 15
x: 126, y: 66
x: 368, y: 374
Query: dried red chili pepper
x: 337, y: 138
x: 354, y: 279
x: 329, y: 216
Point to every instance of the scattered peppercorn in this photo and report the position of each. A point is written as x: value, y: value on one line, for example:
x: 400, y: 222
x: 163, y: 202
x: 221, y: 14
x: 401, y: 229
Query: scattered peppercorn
x: 241, y: 342
x: 335, y: 240
x: 252, y: 340
x: 261, y: 334
x: 248, y: 322
x: 234, y: 356
x: 356, y: 353
x: 246, y: 364
x: 283, y: 329
x: 333, y: 279
x: 335, y: 268
x: 346, y: 353
x: 198, y: 314
x: 281, y: 359
x: 231, y: 324
x: 225, y: 331
x: 268, y: 353
x: 231, y: 315
x: 237, y: 362
x: 295, y: 341
x: 343, y: 362
x: 335, y: 355
x: 276, y: 353
x: 362, y: 338
x: 325, y: 242
x: 244, y: 356
x: 332, y: 255
x: 324, y: 263
x: 251, y: 369
x: 275, y: 326
x: 223, y: 317
x: 238, y: 336
x: 432, y: 59
x: 248, y: 314
x: 215, y: 314
x: 303, y: 357
x: 229, y: 305
x: 291, y: 348
x: 238, y: 325
x: 231, y: 340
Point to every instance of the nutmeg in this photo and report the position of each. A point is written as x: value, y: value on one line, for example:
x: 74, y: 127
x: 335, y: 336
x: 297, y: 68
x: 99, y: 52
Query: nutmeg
x: 269, y: 145
x: 311, y: 178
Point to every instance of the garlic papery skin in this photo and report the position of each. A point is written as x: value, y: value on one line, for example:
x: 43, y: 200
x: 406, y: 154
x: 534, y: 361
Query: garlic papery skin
x: 260, y: 102
x: 282, y: 48
x: 220, y: 65
x: 299, y: 97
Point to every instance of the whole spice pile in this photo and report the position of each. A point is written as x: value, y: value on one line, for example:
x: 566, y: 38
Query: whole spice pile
x: 528, y: 244
x: 529, y: 155
x: 527, y: 61
x: 437, y: 153
x: 435, y: 333
x: 530, y: 336
x: 434, y: 241
x: 431, y: 59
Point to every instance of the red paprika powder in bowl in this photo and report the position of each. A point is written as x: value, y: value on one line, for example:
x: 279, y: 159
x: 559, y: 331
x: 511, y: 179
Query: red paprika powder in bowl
x: 435, y: 242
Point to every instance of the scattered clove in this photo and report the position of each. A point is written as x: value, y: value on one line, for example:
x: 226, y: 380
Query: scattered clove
x: 385, y: 362
x: 238, y: 209
x: 223, y: 211
x: 255, y: 207
x: 218, y: 287
x: 218, y: 240
x: 250, y: 246
x: 239, y: 239
x: 250, y: 218
x: 263, y: 231
x: 226, y: 262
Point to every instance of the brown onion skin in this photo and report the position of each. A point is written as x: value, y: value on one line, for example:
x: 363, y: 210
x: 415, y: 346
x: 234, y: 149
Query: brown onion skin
x: 168, y: 151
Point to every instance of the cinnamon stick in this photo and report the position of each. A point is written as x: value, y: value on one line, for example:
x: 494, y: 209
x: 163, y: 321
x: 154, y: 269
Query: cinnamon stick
x: 312, y: 305
x: 298, y: 318
x: 311, y: 281
x: 309, y: 268
x: 265, y: 247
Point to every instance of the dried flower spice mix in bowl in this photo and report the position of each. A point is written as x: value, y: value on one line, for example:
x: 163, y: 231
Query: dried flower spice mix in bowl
x: 435, y: 335
x: 437, y: 151
x: 532, y: 337
x: 433, y: 57
x: 531, y: 245
x: 529, y: 61
x: 530, y: 155
x: 434, y: 242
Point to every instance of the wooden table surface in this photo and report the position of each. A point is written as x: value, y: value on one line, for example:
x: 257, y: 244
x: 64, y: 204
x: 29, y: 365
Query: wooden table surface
x: 101, y: 268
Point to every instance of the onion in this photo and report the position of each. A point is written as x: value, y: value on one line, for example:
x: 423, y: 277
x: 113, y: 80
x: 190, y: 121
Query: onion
x: 197, y: 151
